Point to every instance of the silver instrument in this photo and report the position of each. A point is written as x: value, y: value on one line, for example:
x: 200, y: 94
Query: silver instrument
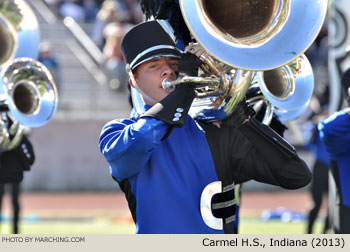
x: 28, y: 94
x: 19, y: 31
x: 286, y: 90
x: 251, y: 42
x: 254, y: 35
x: 30, y: 90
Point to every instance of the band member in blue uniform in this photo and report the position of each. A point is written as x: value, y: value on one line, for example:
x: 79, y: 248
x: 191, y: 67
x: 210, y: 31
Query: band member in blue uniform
x: 165, y: 162
x: 319, y: 184
x: 335, y: 133
x: 170, y: 10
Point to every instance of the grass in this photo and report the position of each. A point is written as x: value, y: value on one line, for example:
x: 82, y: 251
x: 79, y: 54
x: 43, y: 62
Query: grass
x: 256, y: 226
x: 111, y: 226
x: 96, y: 226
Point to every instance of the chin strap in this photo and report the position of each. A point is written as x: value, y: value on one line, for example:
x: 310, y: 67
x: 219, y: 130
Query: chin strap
x: 144, y: 96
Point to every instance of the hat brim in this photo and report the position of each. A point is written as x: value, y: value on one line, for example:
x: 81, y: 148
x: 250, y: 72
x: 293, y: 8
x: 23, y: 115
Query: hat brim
x: 163, y: 52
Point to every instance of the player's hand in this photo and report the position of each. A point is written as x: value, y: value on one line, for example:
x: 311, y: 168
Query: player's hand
x: 189, y: 64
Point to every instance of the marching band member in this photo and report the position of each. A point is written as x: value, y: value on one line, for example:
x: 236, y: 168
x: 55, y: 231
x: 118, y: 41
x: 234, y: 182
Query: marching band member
x: 13, y: 162
x: 335, y: 134
x: 164, y: 160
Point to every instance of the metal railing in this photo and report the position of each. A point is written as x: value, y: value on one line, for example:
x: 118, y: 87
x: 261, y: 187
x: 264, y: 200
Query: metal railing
x: 88, y: 54
x: 84, y: 40
x: 44, y: 11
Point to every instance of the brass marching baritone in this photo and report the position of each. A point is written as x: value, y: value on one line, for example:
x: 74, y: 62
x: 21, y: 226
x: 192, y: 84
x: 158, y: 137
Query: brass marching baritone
x: 252, y: 42
x: 28, y: 95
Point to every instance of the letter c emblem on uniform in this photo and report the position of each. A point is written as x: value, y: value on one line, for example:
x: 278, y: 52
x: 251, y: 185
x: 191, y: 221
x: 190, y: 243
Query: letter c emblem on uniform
x: 206, y: 198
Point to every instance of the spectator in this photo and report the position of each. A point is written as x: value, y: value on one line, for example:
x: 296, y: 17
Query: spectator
x: 47, y: 57
x: 90, y: 10
x: 133, y: 9
x: 115, y: 66
x: 110, y: 12
x: 71, y: 8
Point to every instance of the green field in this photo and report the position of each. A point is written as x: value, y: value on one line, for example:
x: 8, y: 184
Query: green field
x: 110, y: 226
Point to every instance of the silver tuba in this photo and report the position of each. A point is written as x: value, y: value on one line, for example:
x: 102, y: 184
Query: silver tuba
x: 255, y: 35
x: 249, y: 42
x: 28, y: 95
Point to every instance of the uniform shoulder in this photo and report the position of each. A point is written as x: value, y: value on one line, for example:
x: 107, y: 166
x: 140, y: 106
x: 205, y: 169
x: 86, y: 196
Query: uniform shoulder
x: 116, y: 122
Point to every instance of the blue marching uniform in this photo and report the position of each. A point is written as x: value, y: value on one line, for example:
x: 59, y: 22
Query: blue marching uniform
x: 163, y: 179
x: 319, y: 185
x: 335, y: 133
x: 179, y: 175
x: 164, y: 189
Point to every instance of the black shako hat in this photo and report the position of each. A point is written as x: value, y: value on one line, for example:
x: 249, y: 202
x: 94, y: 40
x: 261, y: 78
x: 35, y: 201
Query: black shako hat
x: 146, y: 41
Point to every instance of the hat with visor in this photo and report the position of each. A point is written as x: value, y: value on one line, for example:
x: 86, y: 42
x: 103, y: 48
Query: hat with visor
x: 147, y: 41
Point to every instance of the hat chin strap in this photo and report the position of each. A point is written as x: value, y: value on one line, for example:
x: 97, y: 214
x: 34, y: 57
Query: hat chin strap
x: 146, y: 99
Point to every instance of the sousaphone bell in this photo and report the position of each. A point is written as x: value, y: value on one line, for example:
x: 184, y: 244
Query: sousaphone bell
x: 263, y: 40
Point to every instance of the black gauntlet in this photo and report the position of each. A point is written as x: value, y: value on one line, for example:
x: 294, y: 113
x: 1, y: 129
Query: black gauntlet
x: 189, y: 64
x: 174, y: 108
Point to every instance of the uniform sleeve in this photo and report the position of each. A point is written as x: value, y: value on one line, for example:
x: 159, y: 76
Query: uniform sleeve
x: 243, y: 154
x: 127, y: 145
x: 335, y: 133
x: 268, y: 161
x: 291, y: 174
